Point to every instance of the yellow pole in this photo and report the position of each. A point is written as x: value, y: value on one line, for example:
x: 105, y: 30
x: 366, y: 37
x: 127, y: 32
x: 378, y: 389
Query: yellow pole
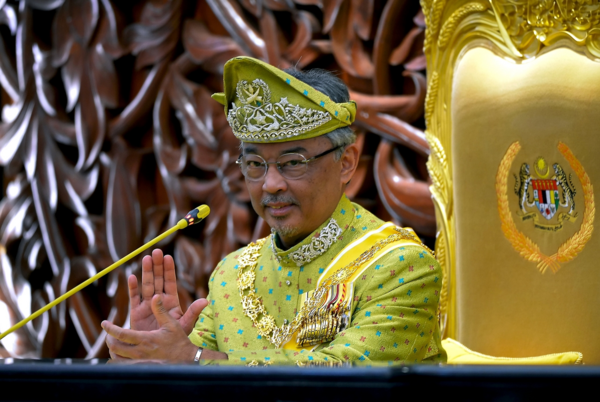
x: 193, y: 217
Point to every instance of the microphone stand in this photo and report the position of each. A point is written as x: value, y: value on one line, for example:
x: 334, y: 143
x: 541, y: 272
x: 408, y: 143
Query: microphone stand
x: 193, y: 217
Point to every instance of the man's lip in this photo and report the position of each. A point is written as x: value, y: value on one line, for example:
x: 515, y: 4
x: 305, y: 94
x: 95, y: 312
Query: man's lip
x: 277, y: 204
x: 279, y: 208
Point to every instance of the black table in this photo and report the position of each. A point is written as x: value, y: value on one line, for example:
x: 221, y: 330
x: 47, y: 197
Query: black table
x: 65, y: 380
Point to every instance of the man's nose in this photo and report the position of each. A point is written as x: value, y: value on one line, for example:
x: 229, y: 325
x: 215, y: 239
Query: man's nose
x: 274, y: 181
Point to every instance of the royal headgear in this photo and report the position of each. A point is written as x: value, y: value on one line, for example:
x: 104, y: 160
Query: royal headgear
x: 264, y: 104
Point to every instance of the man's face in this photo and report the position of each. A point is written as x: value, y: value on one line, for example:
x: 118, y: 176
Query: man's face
x: 296, y: 207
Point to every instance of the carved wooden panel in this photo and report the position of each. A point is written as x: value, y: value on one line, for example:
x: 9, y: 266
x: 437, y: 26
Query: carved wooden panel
x: 108, y: 136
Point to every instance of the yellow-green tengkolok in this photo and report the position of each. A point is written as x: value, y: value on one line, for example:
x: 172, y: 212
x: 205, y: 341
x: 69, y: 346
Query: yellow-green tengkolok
x: 264, y: 104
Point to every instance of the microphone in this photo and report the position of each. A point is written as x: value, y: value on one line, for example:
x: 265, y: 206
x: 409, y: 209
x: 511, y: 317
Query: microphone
x: 193, y: 217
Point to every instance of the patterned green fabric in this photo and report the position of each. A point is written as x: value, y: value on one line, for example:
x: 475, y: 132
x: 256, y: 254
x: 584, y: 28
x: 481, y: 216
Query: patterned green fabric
x: 265, y: 104
x: 394, y: 309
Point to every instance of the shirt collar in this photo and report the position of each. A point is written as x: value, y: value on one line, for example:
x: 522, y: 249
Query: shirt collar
x: 319, y: 241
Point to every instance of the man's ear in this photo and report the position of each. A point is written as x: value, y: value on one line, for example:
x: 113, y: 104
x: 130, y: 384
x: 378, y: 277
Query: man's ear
x: 349, y: 161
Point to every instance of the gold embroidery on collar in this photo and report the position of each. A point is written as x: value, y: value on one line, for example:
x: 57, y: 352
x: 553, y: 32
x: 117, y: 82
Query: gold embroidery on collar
x: 318, y: 245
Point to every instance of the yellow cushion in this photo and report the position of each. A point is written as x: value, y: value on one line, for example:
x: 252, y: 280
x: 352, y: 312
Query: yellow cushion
x: 460, y: 354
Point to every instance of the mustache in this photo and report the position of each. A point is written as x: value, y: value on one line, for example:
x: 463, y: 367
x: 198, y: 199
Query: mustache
x: 278, y: 198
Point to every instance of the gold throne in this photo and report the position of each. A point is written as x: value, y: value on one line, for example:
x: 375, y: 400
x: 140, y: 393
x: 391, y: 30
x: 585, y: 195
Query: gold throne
x: 513, y: 121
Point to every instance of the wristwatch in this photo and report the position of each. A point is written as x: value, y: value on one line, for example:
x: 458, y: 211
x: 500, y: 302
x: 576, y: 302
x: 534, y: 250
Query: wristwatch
x: 198, y: 355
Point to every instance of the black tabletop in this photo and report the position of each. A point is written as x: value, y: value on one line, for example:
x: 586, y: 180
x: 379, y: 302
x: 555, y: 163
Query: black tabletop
x: 68, y: 380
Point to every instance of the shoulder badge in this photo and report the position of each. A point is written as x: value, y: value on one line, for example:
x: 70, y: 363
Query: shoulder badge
x: 549, y: 202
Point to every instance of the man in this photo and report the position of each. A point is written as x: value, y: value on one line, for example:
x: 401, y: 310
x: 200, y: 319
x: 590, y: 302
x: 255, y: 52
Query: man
x: 332, y: 283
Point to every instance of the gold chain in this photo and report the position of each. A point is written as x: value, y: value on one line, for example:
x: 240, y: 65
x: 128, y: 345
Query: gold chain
x: 253, y: 305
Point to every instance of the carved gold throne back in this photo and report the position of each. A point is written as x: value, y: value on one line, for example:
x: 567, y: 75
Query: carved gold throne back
x: 513, y: 120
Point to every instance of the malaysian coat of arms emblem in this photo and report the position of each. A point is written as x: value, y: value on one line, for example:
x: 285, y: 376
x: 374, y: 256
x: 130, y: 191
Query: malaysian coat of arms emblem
x: 547, y: 194
x: 549, y: 201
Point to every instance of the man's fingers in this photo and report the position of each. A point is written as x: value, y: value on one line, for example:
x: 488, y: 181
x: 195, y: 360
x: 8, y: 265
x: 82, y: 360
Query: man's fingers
x: 134, y: 291
x: 170, y: 276
x: 160, y: 312
x: 191, y: 315
x: 116, y: 358
x: 118, y: 350
x: 158, y: 267
x: 147, y: 278
x: 123, y: 335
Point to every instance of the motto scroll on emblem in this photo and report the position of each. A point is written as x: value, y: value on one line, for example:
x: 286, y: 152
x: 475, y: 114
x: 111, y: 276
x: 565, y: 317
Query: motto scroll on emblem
x: 552, y: 196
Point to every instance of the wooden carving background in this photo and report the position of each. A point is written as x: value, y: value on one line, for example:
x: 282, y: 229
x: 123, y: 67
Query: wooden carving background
x: 108, y: 135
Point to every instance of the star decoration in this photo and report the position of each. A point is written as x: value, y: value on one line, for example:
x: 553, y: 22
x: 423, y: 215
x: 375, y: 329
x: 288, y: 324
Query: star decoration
x: 260, y: 119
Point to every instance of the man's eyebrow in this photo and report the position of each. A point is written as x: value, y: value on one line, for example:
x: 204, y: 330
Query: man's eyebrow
x: 254, y: 150
x: 294, y: 150
x: 249, y: 150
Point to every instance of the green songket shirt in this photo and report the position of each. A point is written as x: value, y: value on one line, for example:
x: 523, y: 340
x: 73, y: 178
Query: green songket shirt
x: 394, y: 309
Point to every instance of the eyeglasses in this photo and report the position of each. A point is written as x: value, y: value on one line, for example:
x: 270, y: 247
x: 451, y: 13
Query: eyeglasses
x: 291, y: 166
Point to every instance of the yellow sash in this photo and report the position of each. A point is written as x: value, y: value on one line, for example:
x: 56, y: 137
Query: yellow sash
x: 334, y: 311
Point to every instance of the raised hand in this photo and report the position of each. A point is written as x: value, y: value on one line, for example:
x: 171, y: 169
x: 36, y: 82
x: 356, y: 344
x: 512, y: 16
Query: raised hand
x: 158, y: 278
x: 169, y: 342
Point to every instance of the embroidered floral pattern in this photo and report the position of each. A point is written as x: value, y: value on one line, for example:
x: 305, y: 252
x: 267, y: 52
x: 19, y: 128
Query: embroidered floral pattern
x: 318, y: 245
